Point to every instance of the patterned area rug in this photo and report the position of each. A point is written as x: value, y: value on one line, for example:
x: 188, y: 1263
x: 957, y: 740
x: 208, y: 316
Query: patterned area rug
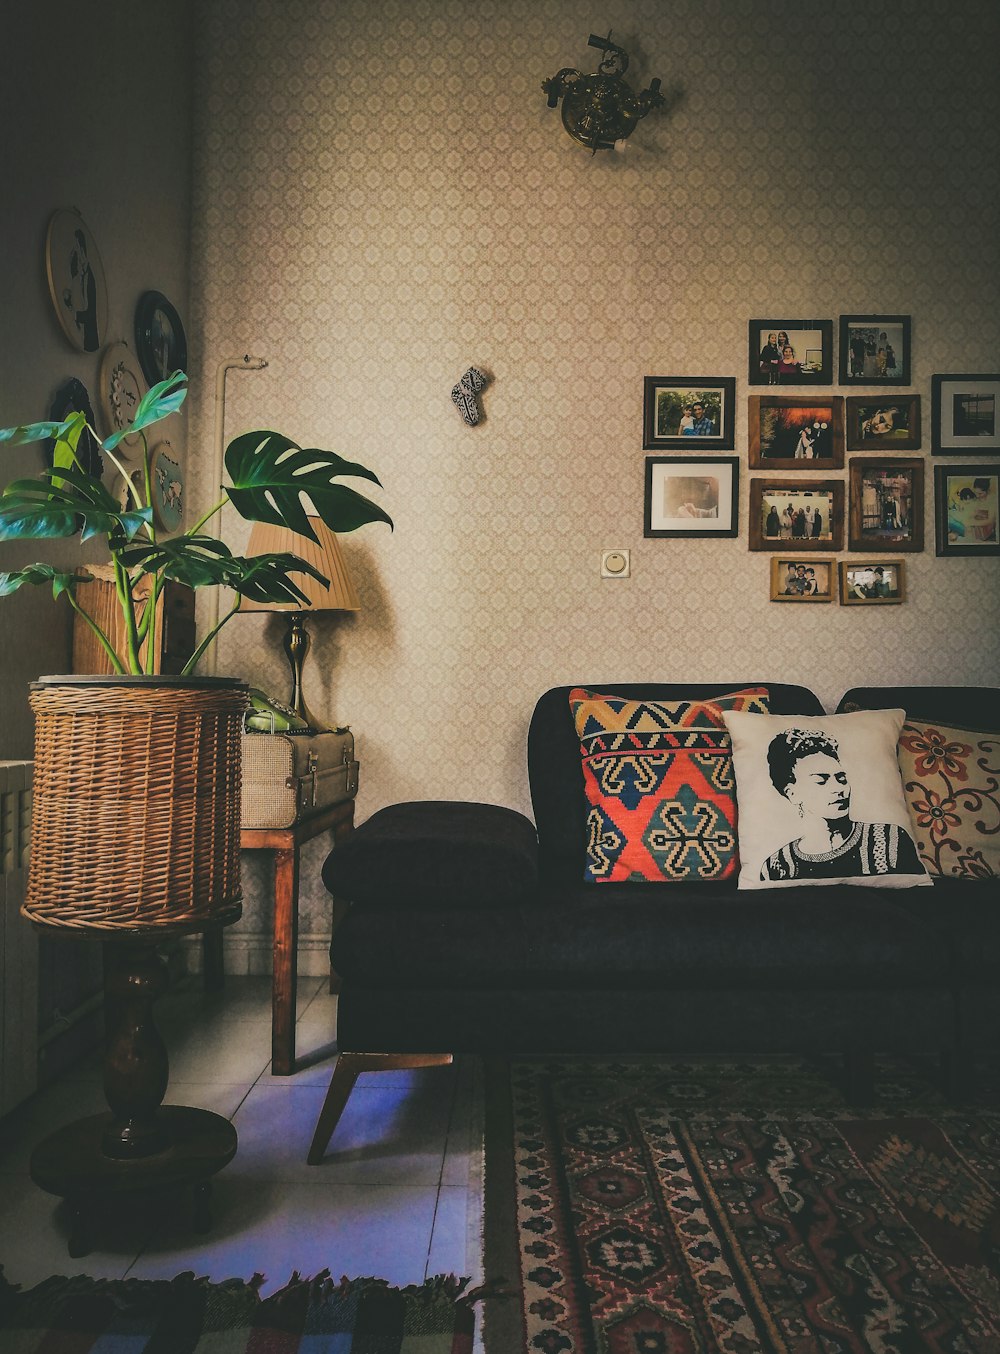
x: 652, y: 1208
x: 192, y: 1316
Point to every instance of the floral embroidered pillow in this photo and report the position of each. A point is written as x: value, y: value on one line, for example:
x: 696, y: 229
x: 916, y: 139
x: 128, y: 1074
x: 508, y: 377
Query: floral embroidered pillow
x: 951, y: 779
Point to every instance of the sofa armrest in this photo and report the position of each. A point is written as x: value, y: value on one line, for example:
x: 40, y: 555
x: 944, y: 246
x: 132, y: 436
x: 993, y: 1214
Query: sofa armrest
x: 437, y: 852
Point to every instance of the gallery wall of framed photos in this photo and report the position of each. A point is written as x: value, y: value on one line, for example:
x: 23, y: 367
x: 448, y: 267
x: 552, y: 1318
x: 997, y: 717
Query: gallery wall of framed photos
x: 799, y: 432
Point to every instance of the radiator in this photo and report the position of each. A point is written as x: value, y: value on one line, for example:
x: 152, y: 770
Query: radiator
x: 18, y: 943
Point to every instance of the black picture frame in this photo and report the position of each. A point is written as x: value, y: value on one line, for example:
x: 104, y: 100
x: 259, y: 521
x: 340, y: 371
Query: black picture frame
x: 958, y: 428
x: 958, y: 533
x: 668, y: 397
x: 683, y: 490
x: 160, y: 341
x: 815, y: 365
x: 889, y: 423
x: 875, y: 350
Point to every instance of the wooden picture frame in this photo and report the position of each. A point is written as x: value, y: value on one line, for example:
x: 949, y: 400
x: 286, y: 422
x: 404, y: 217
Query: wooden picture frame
x: 965, y: 415
x: 670, y: 401
x: 886, y: 504
x: 771, y: 501
x: 811, y: 361
x: 794, y: 579
x: 875, y: 350
x: 872, y: 582
x: 883, y: 425
x: 967, y: 510
x: 692, y: 496
x: 796, y: 432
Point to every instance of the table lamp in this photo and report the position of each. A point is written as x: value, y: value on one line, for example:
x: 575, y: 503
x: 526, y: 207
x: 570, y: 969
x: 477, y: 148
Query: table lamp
x: 338, y: 595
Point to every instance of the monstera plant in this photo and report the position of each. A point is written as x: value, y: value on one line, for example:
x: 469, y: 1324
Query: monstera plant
x: 270, y: 477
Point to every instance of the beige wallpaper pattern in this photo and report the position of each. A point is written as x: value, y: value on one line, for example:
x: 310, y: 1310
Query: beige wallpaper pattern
x: 382, y: 197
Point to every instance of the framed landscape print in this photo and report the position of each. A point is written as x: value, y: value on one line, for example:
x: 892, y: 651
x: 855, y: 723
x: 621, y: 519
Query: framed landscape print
x: 883, y: 425
x: 886, y: 510
x: 791, y: 432
x: 966, y: 503
x: 802, y: 580
x: 684, y: 413
x: 964, y: 415
x: 791, y: 352
x: 871, y: 582
x: 698, y: 497
x: 796, y: 515
x: 875, y: 350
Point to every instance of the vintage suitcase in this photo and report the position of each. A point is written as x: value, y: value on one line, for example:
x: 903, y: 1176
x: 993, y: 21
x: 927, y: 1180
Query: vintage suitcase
x: 288, y: 776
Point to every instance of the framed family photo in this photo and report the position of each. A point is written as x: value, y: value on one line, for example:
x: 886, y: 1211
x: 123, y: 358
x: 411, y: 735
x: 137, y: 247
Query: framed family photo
x: 802, y: 580
x: 886, y: 509
x: 791, y: 352
x: 698, y: 497
x: 790, y: 515
x: 871, y: 582
x: 966, y: 502
x: 684, y: 413
x: 964, y: 415
x: 875, y: 350
x: 883, y: 425
x: 788, y: 432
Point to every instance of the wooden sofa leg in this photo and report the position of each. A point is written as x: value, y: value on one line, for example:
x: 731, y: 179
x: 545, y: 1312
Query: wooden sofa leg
x: 859, y: 1066
x: 348, y: 1068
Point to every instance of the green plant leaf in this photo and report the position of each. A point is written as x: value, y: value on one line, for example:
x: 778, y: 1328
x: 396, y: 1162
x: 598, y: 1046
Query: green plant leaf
x: 198, y: 561
x: 64, y: 450
x: 265, y: 578
x: 38, y: 574
x: 62, y: 502
x: 271, y: 475
x: 166, y: 397
x: 35, y: 432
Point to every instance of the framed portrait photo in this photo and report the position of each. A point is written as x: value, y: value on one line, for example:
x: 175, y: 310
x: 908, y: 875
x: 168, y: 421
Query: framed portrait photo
x: 802, y: 580
x: 875, y: 350
x: 791, y: 352
x: 966, y: 504
x: 796, y: 515
x: 682, y: 413
x: 886, y: 510
x: 964, y: 413
x: 789, y: 432
x: 872, y: 582
x: 883, y: 425
x: 692, y: 497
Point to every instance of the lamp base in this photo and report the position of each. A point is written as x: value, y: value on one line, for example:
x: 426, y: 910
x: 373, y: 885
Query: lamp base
x: 296, y: 645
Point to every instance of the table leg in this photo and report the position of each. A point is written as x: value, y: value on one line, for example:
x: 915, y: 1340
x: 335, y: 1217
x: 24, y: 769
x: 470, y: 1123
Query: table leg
x: 286, y: 938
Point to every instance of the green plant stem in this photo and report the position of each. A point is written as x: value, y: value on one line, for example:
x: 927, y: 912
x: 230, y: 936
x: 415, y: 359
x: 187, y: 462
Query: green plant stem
x: 193, y: 531
x: 105, y: 643
x: 147, y: 471
x: 123, y: 587
x: 193, y: 661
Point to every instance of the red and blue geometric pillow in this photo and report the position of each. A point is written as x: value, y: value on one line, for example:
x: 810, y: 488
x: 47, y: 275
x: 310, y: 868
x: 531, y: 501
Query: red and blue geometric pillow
x: 659, y: 782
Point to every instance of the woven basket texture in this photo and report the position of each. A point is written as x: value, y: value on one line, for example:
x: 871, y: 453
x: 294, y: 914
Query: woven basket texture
x: 136, y: 805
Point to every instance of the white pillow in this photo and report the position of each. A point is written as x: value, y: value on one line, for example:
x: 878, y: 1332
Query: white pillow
x: 820, y: 801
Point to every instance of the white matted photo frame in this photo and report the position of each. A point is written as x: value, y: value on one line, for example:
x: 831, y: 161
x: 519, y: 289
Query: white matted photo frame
x: 696, y: 496
x: 796, y: 432
x: 791, y: 352
x: 796, y: 514
x: 875, y: 350
x: 967, y: 509
x: 794, y: 579
x: 965, y: 415
x: 872, y: 582
x: 688, y: 413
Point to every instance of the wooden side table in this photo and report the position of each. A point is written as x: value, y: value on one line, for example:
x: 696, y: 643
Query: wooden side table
x: 286, y: 843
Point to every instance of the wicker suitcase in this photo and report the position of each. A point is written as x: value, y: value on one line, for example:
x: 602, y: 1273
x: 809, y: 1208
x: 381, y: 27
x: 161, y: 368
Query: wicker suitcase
x: 288, y: 776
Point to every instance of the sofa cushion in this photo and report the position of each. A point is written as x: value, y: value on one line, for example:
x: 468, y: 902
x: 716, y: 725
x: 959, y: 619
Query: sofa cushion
x: 658, y: 777
x: 436, y: 852
x: 951, y: 778
x: 821, y: 801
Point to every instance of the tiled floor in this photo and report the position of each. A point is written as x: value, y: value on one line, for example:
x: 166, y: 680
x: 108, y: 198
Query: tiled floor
x: 398, y: 1195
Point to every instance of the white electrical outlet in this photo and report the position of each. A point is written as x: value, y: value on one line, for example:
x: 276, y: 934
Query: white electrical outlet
x: 615, y: 564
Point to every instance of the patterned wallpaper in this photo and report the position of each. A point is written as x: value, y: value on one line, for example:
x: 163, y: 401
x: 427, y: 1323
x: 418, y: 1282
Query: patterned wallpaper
x: 382, y: 198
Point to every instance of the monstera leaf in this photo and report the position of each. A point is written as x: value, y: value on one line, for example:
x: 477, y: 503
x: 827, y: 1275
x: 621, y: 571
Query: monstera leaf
x: 202, y: 561
x: 166, y: 397
x: 39, y: 574
x: 62, y: 502
x: 270, y: 475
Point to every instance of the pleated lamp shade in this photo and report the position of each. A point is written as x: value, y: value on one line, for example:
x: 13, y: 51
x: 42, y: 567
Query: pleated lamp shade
x: 266, y: 539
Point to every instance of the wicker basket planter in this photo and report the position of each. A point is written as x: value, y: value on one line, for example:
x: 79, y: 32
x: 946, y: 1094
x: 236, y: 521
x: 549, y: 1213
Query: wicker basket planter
x: 136, y: 820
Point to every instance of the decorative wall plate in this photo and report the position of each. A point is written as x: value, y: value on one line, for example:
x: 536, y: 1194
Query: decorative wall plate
x: 120, y: 490
x: 122, y: 387
x: 168, y: 487
x: 72, y: 398
x: 159, y: 337
x: 76, y: 280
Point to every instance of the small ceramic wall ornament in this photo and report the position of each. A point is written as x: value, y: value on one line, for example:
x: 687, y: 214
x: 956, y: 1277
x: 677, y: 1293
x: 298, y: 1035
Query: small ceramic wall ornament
x: 465, y: 395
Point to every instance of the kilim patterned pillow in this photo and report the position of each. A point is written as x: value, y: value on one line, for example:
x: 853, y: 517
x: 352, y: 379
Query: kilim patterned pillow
x: 659, y: 781
x: 951, y: 779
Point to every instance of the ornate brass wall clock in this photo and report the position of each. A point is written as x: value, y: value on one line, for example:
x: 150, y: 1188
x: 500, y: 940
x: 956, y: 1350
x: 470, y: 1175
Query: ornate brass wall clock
x: 600, y: 109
